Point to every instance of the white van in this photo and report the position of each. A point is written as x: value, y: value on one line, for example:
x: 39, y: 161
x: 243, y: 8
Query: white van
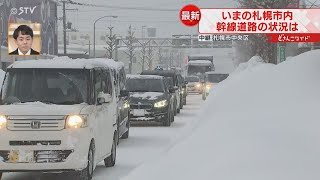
x: 58, y: 115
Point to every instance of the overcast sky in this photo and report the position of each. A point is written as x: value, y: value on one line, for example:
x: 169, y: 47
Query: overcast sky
x: 164, y: 14
x: 166, y: 22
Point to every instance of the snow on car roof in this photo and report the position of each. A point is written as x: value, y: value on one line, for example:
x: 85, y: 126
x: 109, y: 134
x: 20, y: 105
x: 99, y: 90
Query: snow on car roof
x: 216, y: 72
x: 131, y: 76
x: 200, y: 62
x: 67, y: 63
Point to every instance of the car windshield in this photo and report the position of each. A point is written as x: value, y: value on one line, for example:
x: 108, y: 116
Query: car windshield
x: 145, y: 85
x: 52, y: 86
x: 169, y: 81
x: 193, y: 79
x: 198, y: 70
x: 216, y: 78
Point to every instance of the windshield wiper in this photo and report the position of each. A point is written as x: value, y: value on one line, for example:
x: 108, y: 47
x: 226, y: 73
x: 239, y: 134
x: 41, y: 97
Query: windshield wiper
x: 139, y: 91
x: 69, y: 102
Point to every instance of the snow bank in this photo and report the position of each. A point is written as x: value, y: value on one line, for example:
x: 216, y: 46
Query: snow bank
x: 261, y: 123
x: 254, y: 62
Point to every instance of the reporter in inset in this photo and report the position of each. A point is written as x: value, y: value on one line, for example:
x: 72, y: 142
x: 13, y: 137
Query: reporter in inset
x: 23, y: 37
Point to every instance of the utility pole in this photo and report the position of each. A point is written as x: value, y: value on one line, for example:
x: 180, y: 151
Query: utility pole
x: 64, y: 29
x: 89, y: 48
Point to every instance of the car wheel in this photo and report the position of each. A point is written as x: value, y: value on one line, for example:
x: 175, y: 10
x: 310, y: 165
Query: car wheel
x: 181, y: 103
x: 172, y: 116
x: 185, y: 101
x: 167, y: 119
x: 178, y: 110
x: 111, y: 160
x: 126, y: 134
x: 175, y: 108
x: 118, y: 132
x: 87, y: 173
x: 204, y: 97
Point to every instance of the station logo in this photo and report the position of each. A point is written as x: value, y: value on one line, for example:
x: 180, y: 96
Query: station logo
x: 22, y: 10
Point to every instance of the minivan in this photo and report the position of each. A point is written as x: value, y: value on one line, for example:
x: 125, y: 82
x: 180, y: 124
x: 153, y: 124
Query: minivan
x: 58, y: 115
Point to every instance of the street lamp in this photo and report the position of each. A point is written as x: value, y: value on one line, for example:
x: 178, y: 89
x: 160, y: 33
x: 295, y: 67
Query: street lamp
x: 142, y: 31
x: 94, y: 33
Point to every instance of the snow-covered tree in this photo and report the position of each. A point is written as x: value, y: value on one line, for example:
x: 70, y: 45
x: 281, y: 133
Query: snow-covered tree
x: 129, y: 43
x: 150, y: 56
x: 111, y: 43
x: 258, y: 43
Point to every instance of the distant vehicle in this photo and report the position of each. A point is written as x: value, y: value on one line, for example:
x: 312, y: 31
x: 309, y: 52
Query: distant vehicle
x: 212, y: 78
x: 194, y: 84
x: 183, y: 91
x: 150, y: 99
x: 172, y: 80
x: 199, y: 65
x: 123, y: 121
x: 58, y: 115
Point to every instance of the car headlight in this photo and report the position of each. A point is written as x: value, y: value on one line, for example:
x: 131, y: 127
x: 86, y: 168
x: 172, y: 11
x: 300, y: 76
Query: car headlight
x: 208, y: 86
x: 198, y: 85
x: 3, y: 122
x: 126, y: 105
x: 161, y: 104
x: 76, y: 121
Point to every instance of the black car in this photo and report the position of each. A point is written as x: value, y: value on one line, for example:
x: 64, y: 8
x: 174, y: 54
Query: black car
x: 183, y: 92
x: 150, y: 99
x: 123, y: 121
x: 173, y: 81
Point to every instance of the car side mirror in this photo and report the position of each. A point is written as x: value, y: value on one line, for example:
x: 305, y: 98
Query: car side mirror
x: 124, y: 93
x: 186, y: 82
x: 108, y: 98
x: 104, y: 98
x: 171, y: 90
x: 101, y: 100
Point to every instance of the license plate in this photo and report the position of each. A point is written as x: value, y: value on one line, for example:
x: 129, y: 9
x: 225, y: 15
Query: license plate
x: 139, y: 112
x: 21, y: 156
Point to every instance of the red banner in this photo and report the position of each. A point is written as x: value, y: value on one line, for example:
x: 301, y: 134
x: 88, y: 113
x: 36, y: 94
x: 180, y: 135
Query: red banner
x: 294, y: 37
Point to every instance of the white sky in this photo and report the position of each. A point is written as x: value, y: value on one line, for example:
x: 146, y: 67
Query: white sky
x: 166, y: 22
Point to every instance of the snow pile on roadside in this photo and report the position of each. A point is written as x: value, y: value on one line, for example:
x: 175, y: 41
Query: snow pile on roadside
x: 260, y: 125
x: 254, y: 62
x: 2, y: 74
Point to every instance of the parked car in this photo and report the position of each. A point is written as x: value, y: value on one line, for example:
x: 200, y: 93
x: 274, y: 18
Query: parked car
x: 172, y: 79
x: 150, y: 99
x: 58, y: 115
x: 194, y: 84
x: 123, y: 120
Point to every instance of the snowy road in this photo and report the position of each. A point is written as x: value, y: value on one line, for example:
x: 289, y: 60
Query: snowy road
x: 144, y: 144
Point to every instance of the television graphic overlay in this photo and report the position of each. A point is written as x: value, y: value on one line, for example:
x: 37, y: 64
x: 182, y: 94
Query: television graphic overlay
x: 24, y: 39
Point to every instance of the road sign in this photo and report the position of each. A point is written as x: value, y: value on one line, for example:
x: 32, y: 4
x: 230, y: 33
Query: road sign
x: 282, y: 53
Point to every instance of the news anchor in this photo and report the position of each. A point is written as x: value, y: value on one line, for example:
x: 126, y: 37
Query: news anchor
x: 23, y: 37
